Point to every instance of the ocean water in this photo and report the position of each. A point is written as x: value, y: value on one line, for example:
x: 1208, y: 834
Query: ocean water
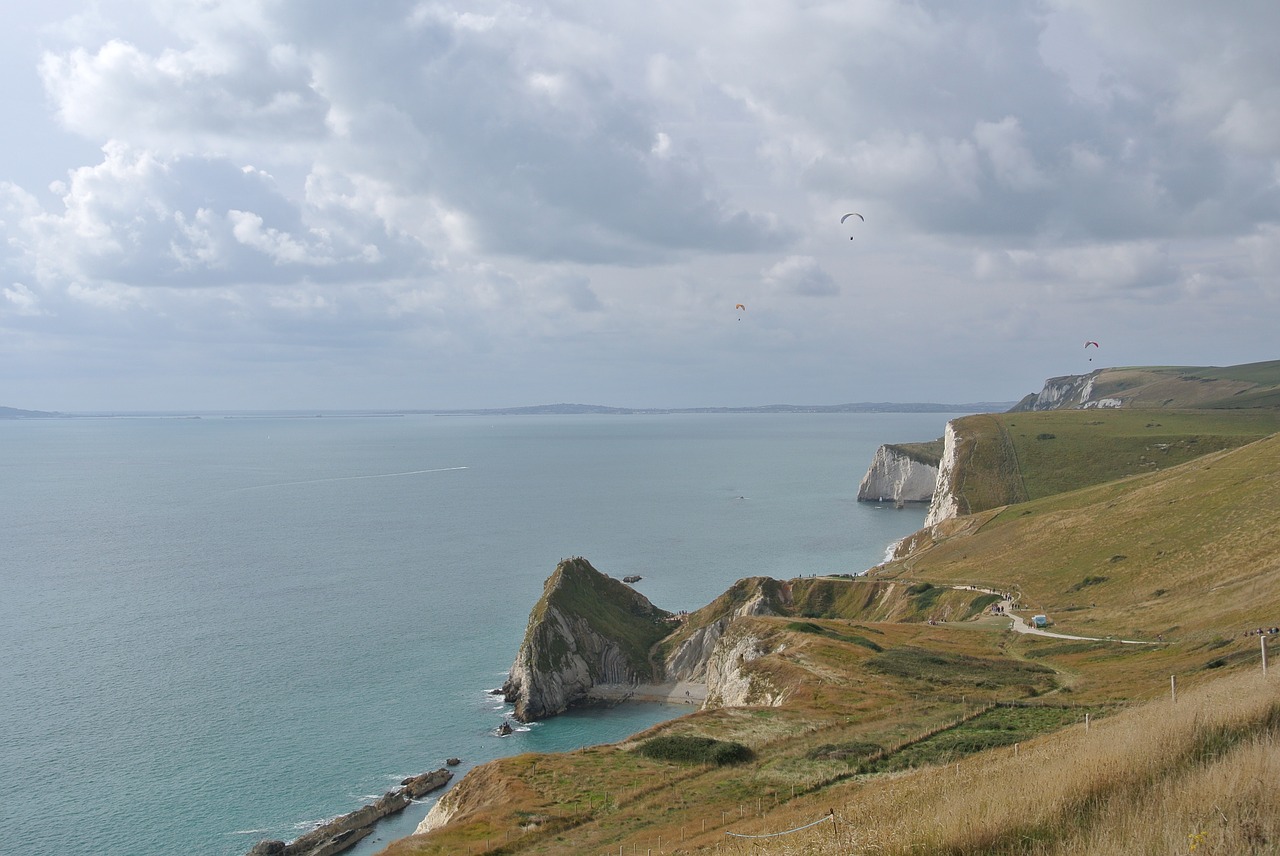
x: 222, y: 629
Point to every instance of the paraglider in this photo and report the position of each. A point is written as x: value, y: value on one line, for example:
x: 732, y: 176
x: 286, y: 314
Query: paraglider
x: 739, y: 306
x: 853, y: 214
x: 1086, y: 347
x: 740, y: 309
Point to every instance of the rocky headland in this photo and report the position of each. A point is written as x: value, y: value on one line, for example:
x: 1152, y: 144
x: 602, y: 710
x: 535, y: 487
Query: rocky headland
x: 593, y: 640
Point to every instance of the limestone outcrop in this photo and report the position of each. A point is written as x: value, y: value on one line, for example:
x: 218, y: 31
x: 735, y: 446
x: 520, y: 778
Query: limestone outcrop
x: 695, y: 644
x: 730, y: 683
x: 586, y: 629
x: 900, y: 473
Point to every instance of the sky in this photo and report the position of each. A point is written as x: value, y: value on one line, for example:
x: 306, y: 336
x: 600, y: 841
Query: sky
x: 297, y: 204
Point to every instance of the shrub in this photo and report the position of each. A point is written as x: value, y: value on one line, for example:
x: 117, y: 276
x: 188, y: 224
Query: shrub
x: 686, y: 749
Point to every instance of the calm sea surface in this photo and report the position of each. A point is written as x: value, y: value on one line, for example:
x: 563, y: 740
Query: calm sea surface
x: 219, y: 630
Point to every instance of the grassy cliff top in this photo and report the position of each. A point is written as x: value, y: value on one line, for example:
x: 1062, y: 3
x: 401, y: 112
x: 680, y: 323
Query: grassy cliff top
x: 1013, y: 457
x: 1247, y: 386
x: 923, y: 453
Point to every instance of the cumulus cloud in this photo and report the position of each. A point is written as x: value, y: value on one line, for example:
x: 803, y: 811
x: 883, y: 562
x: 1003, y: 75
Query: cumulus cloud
x: 501, y: 177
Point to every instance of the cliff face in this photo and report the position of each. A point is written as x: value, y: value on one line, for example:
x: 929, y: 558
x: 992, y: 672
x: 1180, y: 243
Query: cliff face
x: 1069, y: 392
x: 692, y: 648
x: 586, y: 629
x: 730, y: 680
x: 946, y: 492
x: 899, y: 475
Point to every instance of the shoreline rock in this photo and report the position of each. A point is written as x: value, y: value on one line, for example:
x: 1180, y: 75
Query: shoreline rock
x: 344, y: 832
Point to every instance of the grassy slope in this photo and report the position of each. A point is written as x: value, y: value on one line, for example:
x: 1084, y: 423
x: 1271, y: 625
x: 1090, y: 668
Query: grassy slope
x: 1189, y: 551
x: 1010, y: 457
x: 1250, y: 385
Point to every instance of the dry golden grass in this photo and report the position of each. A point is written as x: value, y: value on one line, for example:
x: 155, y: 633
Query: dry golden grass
x: 1198, y: 776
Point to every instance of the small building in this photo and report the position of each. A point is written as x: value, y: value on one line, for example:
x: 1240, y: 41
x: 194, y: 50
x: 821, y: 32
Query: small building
x: 1040, y: 620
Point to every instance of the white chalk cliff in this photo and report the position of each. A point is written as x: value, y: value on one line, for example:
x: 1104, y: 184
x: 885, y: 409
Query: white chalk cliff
x: 946, y: 501
x: 897, y: 476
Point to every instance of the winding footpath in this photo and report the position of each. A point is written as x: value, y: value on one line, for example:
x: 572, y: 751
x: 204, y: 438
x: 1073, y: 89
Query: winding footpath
x: 1019, y: 625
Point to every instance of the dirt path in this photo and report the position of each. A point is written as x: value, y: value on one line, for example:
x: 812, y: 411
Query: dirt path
x: 1020, y: 625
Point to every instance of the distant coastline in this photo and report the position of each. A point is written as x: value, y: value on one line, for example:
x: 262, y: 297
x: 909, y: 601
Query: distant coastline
x: 532, y: 410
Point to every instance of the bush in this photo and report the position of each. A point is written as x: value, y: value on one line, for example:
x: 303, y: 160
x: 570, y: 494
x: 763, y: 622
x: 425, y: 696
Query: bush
x: 686, y: 749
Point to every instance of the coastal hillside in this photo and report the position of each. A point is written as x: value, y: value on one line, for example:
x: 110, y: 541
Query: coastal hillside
x: 1189, y: 552
x: 1077, y: 431
x: 836, y: 706
x: 1247, y: 386
x: 996, y: 459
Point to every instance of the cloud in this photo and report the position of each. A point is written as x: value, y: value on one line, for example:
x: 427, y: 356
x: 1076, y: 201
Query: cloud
x: 21, y: 300
x: 427, y: 182
x: 802, y: 275
x: 1090, y: 270
x: 144, y: 220
x: 502, y: 116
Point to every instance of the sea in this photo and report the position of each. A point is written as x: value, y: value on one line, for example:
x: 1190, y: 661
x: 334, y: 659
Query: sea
x: 221, y: 628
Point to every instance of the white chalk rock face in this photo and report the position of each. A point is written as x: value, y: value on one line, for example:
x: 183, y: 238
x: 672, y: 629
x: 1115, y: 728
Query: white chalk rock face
x: 895, y: 476
x: 946, y: 503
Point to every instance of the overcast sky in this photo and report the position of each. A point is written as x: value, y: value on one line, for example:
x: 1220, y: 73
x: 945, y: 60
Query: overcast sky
x: 321, y: 204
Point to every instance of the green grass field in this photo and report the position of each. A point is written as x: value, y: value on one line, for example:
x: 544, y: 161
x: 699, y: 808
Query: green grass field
x: 1007, y: 458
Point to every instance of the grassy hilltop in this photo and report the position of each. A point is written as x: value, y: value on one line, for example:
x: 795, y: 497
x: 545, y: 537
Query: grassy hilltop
x: 913, y: 721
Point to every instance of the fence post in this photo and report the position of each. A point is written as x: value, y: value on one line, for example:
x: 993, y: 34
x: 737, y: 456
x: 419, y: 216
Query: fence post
x: 1173, y: 688
x: 1263, y: 640
x: 1086, y: 722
